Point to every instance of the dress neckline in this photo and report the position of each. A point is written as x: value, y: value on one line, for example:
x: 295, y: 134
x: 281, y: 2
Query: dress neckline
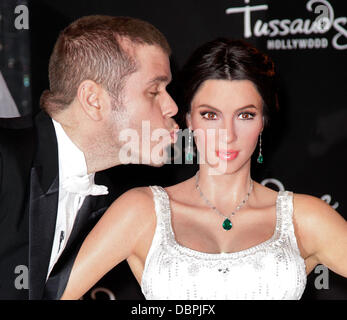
x: 199, y: 254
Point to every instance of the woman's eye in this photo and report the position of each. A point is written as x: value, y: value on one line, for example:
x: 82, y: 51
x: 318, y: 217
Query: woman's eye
x: 209, y: 115
x: 246, y: 115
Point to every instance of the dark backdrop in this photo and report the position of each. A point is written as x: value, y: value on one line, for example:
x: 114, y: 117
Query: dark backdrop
x: 304, y: 151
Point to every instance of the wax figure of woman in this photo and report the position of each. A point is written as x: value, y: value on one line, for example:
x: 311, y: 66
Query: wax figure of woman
x: 219, y: 234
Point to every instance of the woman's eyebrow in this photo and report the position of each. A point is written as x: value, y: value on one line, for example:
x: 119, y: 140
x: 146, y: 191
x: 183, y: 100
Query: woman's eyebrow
x: 217, y: 110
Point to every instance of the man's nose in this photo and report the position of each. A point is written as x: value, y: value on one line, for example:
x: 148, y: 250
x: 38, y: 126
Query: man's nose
x: 169, y: 107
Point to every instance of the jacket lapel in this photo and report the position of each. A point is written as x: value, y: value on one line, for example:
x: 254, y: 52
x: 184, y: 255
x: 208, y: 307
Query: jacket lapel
x: 42, y: 218
x: 92, y: 209
x: 43, y: 204
x: 59, y: 276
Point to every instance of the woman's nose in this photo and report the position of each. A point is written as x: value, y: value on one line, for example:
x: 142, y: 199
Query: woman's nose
x: 228, y: 134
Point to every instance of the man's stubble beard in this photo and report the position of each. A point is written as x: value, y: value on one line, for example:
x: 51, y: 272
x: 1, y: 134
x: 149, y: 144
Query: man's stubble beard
x: 122, y: 120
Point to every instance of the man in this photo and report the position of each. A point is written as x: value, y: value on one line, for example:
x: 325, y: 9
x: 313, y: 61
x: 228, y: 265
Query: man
x: 106, y: 74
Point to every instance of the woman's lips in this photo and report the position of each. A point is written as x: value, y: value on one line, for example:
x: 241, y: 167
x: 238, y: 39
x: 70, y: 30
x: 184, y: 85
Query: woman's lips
x: 227, y: 155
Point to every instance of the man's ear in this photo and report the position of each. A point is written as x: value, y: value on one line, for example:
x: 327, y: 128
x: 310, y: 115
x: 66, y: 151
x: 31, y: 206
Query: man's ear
x: 89, y: 95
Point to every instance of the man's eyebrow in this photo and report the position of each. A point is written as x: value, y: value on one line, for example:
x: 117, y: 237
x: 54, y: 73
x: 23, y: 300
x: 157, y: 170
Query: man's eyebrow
x: 159, y: 79
x: 239, y: 109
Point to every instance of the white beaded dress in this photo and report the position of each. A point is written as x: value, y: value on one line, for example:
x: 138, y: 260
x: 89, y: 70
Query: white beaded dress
x: 272, y: 269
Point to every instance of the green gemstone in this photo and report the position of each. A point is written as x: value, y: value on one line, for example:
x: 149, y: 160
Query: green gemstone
x: 260, y: 159
x: 227, y: 225
x: 189, y: 156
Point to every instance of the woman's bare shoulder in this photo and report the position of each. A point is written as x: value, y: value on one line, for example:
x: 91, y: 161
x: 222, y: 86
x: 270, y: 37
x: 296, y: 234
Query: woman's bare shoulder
x: 143, y: 193
x: 316, y: 220
x: 136, y: 203
x: 312, y: 213
x: 310, y: 207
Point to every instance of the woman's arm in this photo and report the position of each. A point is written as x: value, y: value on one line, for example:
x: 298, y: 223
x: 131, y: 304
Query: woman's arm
x: 111, y: 241
x: 322, y: 232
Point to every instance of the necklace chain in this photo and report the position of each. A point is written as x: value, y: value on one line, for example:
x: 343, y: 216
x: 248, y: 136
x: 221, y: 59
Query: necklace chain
x: 242, y: 203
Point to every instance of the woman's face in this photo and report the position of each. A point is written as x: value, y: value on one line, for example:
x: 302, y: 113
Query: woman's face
x: 227, y: 118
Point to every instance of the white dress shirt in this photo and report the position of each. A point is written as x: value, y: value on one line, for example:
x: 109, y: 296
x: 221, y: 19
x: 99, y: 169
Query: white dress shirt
x: 72, y: 165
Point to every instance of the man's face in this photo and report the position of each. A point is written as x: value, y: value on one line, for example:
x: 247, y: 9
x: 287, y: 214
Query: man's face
x: 148, y: 127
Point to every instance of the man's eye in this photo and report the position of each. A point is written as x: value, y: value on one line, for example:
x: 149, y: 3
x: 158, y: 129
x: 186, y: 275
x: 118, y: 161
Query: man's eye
x: 209, y: 115
x: 246, y: 115
x: 154, y: 93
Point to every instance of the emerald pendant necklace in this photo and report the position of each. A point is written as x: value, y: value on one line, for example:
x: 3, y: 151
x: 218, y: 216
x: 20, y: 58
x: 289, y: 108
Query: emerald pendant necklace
x: 227, y: 225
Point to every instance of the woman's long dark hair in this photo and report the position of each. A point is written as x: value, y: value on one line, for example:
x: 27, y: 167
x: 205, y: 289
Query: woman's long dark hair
x: 224, y: 59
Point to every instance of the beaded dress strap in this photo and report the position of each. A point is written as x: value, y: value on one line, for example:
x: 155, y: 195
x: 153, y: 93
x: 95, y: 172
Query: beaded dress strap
x: 285, y: 210
x: 287, y: 224
x: 162, y: 209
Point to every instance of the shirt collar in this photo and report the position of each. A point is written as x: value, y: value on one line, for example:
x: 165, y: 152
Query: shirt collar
x: 71, y: 159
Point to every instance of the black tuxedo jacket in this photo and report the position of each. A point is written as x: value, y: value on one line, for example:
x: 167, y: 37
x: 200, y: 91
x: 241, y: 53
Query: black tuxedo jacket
x: 29, y: 189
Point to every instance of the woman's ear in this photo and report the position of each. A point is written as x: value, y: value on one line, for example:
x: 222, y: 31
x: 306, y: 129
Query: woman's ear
x: 263, y: 124
x: 188, y: 120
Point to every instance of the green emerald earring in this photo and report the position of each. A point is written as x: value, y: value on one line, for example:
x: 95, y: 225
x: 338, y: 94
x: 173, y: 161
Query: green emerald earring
x: 189, y: 148
x: 260, y: 158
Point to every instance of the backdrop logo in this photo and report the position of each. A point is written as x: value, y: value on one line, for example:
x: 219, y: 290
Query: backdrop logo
x: 323, y: 22
x: 22, y: 20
